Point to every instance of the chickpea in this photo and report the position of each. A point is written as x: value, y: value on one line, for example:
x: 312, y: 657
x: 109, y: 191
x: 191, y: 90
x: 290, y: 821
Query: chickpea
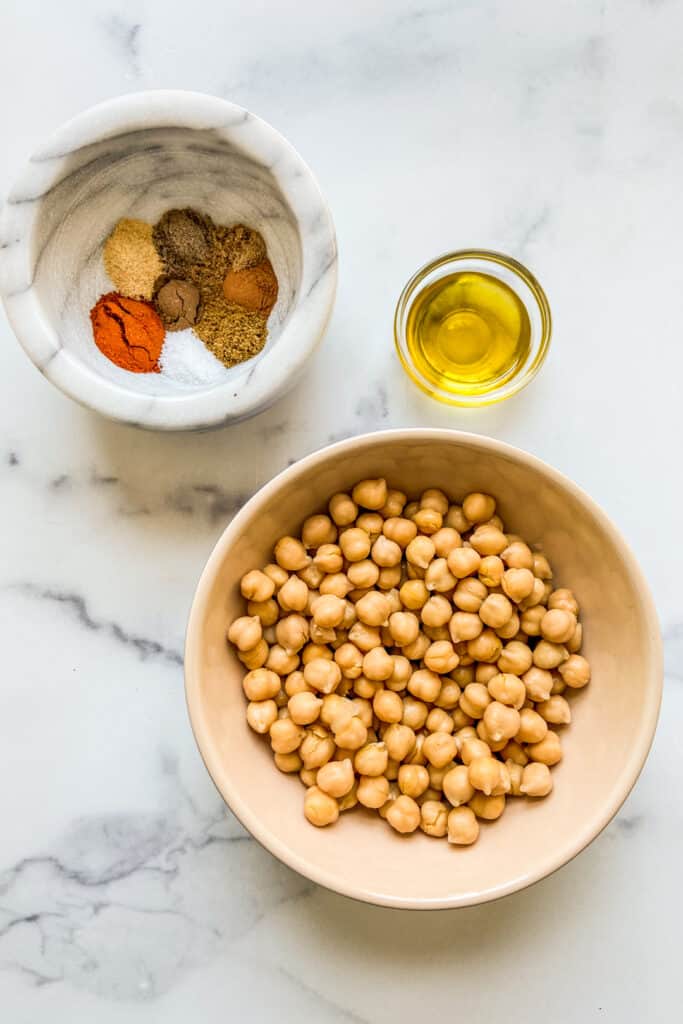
x: 404, y: 628
x: 484, y: 673
x: 536, y: 780
x: 457, y: 787
x: 329, y: 559
x: 518, y: 555
x: 295, y: 683
x: 548, y: 750
x: 336, y: 583
x: 416, y: 755
x: 386, y: 553
x: 449, y: 695
x: 394, y: 793
x: 469, y: 595
x: 515, y: 658
x: 293, y: 595
x: 575, y: 671
x: 413, y: 572
x: 370, y: 494
x: 410, y: 509
x: 484, y: 735
x: 366, y: 688
x: 437, y: 610
x: 372, y: 523
x: 463, y: 562
x: 292, y: 633
x: 261, y: 714
x: 555, y: 710
x: 420, y: 551
x: 267, y: 611
x: 460, y: 719
x: 363, y: 711
x: 288, y: 763
x: 477, y: 507
x: 510, y: 629
x: 260, y: 684
x: 435, y: 634
x: 425, y: 685
x: 487, y: 540
x: 495, y: 611
x: 323, y: 675
x: 319, y: 808
x: 438, y: 577
x: 446, y: 540
x: 314, y: 650
x: 277, y: 574
x: 518, y: 584
x: 434, y: 818
x: 364, y: 637
x: 502, y: 721
x: 336, y: 778
x: 513, y: 751
x: 388, y: 706
x: 308, y: 776
x: 390, y: 578
x: 393, y: 506
x: 472, y: 747
x: 373, y: 791
x: 558, y: 625
x: 440, y: 657
x: 439, y: 748
x: 485, y: 647
x: 455, y: 517
x: 559, y: 685
x: 575, y: 641
x: 508, y: 689
x: 245, y: 632
x: 537, y: 596
x: 317, y: 747
x: 403, y: 814
x: 290, y: 554
x: 399, y: 740
x: 564, y: 599
x: 350, y: 660
x: 373, y: 609
x: 372, y: 759
x: 475, y: 699
x: 413, y: 779
x: 400, y: 531
x: 428, y: 520
x: 491, y: 570
x: 531, y: 620
x: 414, y: 712
x: 378, y: 665
x: 350, y: 733
x: 435, y: 499
x: 285, y: 736
x: 355, y: 544
x: 328, y: 611
x: 487, y: 807
x: 516, y: 772
x: 438, y: 720
x: 538, y: 683
x: 464, y: 626
x: 463, y: 827
x: 485, y: 774
x: 342, y: 509
x: 547, y: 655
x: 400, y: 673
x: 304, y: 708
x: 280, y: 661
x: 318, y: 530
x: 419, y: 647
x: 256, y: 586
x: 541, y: 566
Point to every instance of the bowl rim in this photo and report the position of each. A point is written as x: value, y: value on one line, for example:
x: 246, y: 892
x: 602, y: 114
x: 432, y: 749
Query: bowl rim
x: 637, y: 754
x: 306, y: 324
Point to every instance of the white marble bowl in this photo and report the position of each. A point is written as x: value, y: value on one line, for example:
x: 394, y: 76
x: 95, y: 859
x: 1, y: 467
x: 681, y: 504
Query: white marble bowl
x: 137, y: 156
x: 614, y: 717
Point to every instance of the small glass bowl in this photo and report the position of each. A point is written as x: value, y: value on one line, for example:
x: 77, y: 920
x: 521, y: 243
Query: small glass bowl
x: 516, y: 277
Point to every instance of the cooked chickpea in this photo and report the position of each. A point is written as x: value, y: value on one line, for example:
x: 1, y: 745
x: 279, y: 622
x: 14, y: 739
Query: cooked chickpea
x: 349, y: 659
x: 536, y: 779
x: 487, y: 540
x: 245, y: 632
x: 575, y: 671
x: 478, y: 507
x: 559, y: 685
x: 323, y: 675
x: 435, y: 499
x: 372, y: 523
x: 460, y: 719
x: 485, y: 736
x: 315, y: 650
x: 485, y: 774
x: 319, y: 808
x: 399, y: 530
x: 531, y: 620
x: 457, y: 787
x: 548, y: 750
x: 438, y: 577
x: 288, y: 763
x: 485, y: 647
x: 295, y: 683
x: 502, y: 721
x: 403, y: 814
x: 393, y: 506
x: 342, y: 509
x: 513, y: 751
x: 285, y: 736
x: 388, y: 706
x: 373, y: 609
x: 400, y: 673
x: 564, y: 599
x: 329, y: 559
x: 256, y: 586
x: 290, y: 554
x: 373, y: 791
x: 317, y: 747
x: 261, y: 714
x: 518, y: 555
x: 372, y: 759
x: 420, y: 551
x: 463, y: 827
x: 558, y: 625
x: 491, y: 570
x: 414, y: 712
x: 328, y: 611
x: 399, y: 740
x: 390, y: 578
x: 371, y: 494
x: 463, y: 562
x: 538, y: 683
x: 472, y: 747
x: 518, y: 584
x: 516, y: 658
x: 575, y: 641
x: 364, y: 637
x: 464, y: 626
x: 404, y: 628
x: 292, y: 633
x: 469, y: 595
x: 510, y: 629
x: 428, y: 520
x: 261, y: 684
x: 378, y: 665
x: 277, y: 574
x: 355, y: 544
x: 495, y: 611
x: 439, y: 748
x: 434, y: 818
x: 508, y: 689
x: 475, y: 699
x: 449, y: 695
x: 440, y: 657
x: 456, y: 519
x: 304, y: 708
x: 555, y: 710
x: 336, y: 583
x: 541, y: 566
x: 484, y: 673
x: 336, y: 778
x: 267, y: 611
x: 350, y: 733
x: 446, y: 540
x: 548, y: 655
x: 413, y: 779
x: 293, y: 595
x: 386, y: 553
x: 438, y: 720
x: 487, y: 807
x: 308, y: 776
x: 317, y: 530
x: 425, y: 685
x: 536, y: 597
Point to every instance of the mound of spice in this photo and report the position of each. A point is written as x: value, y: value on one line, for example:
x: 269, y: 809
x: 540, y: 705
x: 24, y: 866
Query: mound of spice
x: 131, y: 259
x: 128, y: 331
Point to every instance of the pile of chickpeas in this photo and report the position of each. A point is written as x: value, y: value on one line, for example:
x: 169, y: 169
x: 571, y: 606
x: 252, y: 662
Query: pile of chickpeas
x: 411, y: 657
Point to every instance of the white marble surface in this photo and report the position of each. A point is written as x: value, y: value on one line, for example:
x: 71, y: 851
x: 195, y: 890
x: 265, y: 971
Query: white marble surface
x: 554, y: 132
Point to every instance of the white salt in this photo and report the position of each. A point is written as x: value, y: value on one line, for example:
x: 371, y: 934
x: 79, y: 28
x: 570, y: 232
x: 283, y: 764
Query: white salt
x: 186, y: 360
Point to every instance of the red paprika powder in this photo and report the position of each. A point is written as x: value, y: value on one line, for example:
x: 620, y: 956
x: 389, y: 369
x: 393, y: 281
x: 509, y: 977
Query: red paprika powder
x: 128, y: 331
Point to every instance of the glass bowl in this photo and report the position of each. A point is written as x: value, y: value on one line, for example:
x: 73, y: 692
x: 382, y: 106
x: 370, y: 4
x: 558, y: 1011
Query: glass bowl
x: 528, y: 291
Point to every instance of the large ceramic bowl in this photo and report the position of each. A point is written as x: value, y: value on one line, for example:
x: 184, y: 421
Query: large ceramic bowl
x: 138, y: 156
x: 614, y: 717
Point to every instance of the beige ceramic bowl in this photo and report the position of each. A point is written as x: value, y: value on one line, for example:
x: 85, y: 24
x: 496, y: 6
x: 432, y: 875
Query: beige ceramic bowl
x: 614, y: 717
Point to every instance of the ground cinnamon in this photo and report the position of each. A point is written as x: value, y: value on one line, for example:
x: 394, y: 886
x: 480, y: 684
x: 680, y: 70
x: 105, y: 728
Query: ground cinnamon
x: 128, y: 331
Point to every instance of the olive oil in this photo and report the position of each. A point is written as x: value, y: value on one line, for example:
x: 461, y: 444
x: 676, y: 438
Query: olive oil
x: 468, y: 333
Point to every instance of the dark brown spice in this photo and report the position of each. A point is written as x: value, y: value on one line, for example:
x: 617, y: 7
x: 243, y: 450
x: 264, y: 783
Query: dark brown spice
x: 177, y: 303
x: 184, y: 238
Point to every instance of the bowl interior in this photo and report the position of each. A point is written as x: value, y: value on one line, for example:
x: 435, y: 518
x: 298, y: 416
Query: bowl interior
x: 142, y: 174
x: 614, y: 717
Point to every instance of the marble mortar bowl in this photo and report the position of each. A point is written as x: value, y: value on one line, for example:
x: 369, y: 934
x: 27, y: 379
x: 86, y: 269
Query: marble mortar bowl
x: 137, y: 156
x: 614, y: 717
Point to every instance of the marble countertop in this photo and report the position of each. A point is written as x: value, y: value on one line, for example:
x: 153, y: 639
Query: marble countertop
x: 552, y: 132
